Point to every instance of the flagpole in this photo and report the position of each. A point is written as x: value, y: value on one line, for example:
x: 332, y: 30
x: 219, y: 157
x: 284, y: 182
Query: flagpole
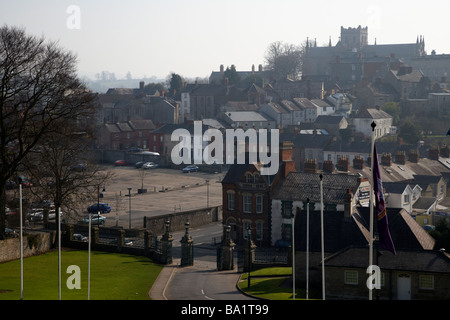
x: 293, y: 255
x: 322, y: 236
x: 21, y: 240
x: 307, y: 249
x: 89, y: 257
x: 373, y: 125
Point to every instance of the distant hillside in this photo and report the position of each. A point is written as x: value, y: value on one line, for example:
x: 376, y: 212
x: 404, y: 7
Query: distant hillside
x: 101, y: 86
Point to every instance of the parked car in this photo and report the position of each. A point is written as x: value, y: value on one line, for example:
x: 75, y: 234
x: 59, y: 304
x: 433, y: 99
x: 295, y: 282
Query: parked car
x: 38, y: 214
x: 10, y: 232
x: 190, y: 168
x: 95, y: 219
x: 150, y: 165
x: 80, y: 237
x: 139, y: 164
x: 120, y: 163
x: 102, y: 207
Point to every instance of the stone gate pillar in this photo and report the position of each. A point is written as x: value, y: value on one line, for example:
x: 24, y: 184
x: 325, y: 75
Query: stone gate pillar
x: 166, y: 246
x: 187, y: 248
x: 249, y: 253
x: 225, y: 252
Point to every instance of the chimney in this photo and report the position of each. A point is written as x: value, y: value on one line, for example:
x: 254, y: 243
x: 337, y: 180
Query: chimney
x: 310, y: 166
x: 141, y: 85
x: 260, y: 68
x: 400, y: 157
x: 445, y: 151
x: 286, y: 157
x: 328, y: 166
x: 358, y: 162
x: 348, y: 204
x: 343, y: 164
x: 434, y: 153
x: 386, y: 159
x: 414, y: 156
x: 221, y: 68
x: 253, y: 68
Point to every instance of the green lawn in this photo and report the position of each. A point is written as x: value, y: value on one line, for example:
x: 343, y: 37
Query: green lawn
x: 113, y: 277
x: 270, y: 283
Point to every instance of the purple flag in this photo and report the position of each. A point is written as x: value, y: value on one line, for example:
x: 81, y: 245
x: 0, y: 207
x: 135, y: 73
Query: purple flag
x: 380, y: 207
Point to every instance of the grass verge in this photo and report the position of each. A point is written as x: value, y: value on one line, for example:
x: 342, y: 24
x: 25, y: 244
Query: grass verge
x: 113, y: 276
x: 272, y: 284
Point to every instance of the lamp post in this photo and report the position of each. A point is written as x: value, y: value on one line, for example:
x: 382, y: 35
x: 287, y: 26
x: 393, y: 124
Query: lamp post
x: 293, y: 254
x: 249, y: 235
x: 129, y: 208
x: 207, y: 193
x: 21, y: 239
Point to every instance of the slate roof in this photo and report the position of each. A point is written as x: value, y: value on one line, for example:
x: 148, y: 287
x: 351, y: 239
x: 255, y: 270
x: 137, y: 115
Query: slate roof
x: 169, y: 128
x: 299, y: 186
x: 373, y: 113
x: 142, y: 124
x: 237, y: 171
x: 316, y: 141
x: 339, y: 232
x: 406, y: 233
x: 406, y: 260
x: 329, y: 119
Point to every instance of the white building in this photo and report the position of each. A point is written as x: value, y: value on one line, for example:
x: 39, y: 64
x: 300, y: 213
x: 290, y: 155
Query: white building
x: 363, y: 122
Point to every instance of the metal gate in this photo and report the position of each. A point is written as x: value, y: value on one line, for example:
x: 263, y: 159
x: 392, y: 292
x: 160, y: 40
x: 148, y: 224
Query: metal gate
x: 264, y: 257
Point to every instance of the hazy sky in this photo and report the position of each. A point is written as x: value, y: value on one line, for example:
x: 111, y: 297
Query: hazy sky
x: 194, y: 37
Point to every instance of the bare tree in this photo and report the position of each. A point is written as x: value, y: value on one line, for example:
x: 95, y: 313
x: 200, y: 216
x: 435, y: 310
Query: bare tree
x: 38, y: 88
x: 284, y: 59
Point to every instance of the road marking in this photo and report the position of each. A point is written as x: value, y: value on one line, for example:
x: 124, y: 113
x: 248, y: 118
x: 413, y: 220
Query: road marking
x: 203, y: 293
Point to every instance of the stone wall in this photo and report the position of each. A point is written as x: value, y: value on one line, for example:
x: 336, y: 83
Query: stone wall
x: 33, y: 243
x: 199, y: 217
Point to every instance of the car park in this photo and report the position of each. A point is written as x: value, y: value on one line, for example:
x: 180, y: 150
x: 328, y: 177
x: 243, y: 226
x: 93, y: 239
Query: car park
x: 190, y: 168
x: 102, y: 207
x: 150, y: 165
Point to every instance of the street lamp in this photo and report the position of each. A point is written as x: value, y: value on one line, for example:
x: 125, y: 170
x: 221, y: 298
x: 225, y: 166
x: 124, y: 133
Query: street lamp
x: 129, y: 208
x: 207, y: 193
x: 249, y: 234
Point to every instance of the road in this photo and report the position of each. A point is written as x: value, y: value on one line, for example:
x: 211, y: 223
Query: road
x: 202, y: 281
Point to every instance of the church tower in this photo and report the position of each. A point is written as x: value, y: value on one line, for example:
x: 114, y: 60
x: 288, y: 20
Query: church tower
x: 354, y: 38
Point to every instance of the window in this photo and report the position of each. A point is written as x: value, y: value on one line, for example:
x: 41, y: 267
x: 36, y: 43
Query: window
x: 230, y: 201
x: 286, y: 232
x: 247, y: 203
x: 426, y: 282
x: 406, y: 198
x: 259, y: 204
x: 286, y: 207
x: 140, y: 134
x: 259, y: 231
x: 249, y: 178
x: 351, y: 277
